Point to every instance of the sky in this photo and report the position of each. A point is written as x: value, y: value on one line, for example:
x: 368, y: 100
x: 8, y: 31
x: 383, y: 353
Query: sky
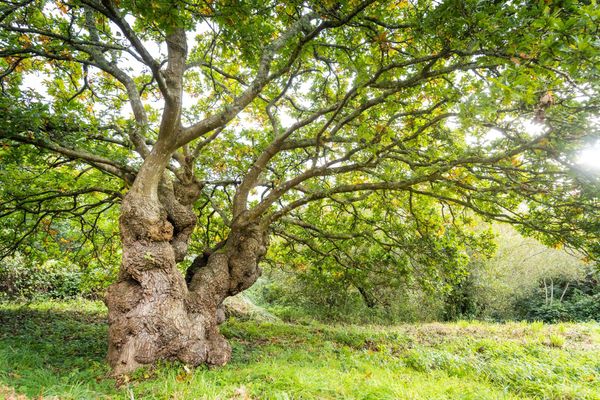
x: 590, y: 157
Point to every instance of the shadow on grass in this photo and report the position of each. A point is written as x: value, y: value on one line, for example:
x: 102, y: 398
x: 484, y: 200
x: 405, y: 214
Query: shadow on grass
x: 53, y: 352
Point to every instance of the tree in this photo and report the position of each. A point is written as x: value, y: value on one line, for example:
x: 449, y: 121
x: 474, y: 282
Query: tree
x: 293, y: 106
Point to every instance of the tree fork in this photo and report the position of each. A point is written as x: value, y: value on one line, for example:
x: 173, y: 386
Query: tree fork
x: 153, y: 312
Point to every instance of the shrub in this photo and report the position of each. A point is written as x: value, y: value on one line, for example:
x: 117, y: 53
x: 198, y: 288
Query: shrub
x: 22, y: 279
x: 579, y: 301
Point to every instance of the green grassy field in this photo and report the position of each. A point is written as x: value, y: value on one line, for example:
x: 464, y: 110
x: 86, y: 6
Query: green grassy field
x: 56, y: 351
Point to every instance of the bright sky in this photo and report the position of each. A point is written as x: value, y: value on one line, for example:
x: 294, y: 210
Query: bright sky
x: 590, y: 157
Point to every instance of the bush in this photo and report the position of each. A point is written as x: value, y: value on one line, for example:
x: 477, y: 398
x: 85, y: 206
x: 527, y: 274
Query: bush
x: 462, y: 302
x: 551, y: 313
x: 21, y: 279
x: 509, y: 285
x: 580, y: 302
x: 584, y: 306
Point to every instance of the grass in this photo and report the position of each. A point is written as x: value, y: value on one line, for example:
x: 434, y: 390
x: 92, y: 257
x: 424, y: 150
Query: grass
x: 55, y: 350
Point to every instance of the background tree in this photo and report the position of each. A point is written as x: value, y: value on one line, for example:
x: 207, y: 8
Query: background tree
x: 252, y: 116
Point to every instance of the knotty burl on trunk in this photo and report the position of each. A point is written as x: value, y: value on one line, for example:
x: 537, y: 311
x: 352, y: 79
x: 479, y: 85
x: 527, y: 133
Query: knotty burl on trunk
x: 154, y: 312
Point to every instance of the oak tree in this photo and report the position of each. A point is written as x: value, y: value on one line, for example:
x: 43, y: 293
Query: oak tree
x: 354, y: 129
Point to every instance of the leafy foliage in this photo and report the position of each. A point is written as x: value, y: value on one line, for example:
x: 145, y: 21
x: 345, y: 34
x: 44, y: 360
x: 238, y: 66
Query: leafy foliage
x: 363, y: 134
x: 26, y: 279
x: 563, y: 300
x: 517, y: 270
x: 518, y: 281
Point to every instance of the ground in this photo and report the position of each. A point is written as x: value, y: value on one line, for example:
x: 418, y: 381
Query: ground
x: 56, y: 350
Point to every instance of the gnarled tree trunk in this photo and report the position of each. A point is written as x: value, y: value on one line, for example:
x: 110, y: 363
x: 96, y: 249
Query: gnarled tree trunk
x: 154, y: 313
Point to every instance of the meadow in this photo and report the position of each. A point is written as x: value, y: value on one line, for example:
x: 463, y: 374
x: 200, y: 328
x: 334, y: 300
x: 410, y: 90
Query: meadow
x: 55, y: 350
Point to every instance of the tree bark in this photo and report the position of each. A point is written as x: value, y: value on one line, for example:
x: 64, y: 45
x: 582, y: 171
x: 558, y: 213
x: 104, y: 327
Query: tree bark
x: 153, y: 312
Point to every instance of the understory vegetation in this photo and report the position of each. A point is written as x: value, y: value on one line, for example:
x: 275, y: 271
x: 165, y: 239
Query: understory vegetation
x: 522, y: 280
x: 56, y: 350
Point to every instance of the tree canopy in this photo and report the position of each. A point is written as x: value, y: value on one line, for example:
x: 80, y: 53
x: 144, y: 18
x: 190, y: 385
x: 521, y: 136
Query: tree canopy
x: 308, y: 112
x: 364, y: 136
